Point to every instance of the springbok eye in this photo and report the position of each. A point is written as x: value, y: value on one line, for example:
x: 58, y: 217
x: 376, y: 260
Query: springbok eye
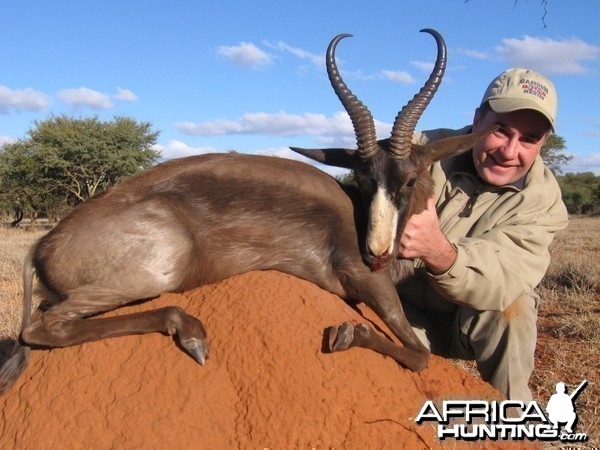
x: 411, y: 182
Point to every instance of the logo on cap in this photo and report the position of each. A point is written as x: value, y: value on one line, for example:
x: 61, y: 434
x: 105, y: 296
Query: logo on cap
x: 533, y: 88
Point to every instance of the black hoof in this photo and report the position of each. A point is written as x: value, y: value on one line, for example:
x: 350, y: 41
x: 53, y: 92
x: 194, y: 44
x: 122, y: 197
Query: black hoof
x: 341, y: 337
x: 198, y: 349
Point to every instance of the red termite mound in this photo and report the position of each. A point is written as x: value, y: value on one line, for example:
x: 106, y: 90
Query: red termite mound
x: 267, y: 384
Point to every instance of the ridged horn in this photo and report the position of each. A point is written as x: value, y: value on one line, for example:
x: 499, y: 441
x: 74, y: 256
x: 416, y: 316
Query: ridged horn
x: 407, y: 118
x: 362, y: 120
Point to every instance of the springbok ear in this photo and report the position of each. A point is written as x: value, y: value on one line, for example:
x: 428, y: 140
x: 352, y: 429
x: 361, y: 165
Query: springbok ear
x: 338, y: 157
x: 452, y: 146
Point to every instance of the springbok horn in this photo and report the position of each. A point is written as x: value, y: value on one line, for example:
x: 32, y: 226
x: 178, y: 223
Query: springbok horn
x: 362, y: 120
x: 407, y: 118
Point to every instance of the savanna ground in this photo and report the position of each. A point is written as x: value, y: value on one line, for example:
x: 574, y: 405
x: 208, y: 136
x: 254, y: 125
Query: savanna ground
x: 568, y: 347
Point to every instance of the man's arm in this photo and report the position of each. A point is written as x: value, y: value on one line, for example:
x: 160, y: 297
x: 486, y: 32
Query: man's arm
x: 489, y: 271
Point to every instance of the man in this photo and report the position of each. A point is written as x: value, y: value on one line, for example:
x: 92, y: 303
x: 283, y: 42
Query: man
x: 481, y: 246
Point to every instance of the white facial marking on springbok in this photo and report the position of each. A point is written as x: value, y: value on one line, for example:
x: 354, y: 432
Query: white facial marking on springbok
x: 382, y: 224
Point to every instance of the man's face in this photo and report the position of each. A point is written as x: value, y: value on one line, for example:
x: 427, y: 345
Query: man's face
x: 506, y: 155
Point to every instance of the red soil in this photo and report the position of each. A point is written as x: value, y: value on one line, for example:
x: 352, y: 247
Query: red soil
x: 267, y: 384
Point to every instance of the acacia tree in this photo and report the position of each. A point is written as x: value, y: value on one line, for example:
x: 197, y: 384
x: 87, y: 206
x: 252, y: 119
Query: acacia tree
x: 66, y: 160
x: 553, y: 153
x: 85, y: 156
x: 23, y: 192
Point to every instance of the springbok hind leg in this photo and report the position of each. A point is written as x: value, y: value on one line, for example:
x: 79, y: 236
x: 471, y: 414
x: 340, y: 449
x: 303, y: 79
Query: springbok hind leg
x: 59, y: 330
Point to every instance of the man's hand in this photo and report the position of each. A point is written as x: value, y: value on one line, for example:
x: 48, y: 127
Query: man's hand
x: 423, y: 238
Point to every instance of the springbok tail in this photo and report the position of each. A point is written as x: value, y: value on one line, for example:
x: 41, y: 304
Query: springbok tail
x: 19, y: 357
x: 14, y: 366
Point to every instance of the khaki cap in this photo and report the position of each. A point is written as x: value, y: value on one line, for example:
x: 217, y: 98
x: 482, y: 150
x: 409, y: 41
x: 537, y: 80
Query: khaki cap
x: 522, y: 89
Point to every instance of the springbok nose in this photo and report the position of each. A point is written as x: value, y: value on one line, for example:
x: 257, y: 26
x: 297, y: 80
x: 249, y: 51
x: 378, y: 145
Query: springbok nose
x: 377, y: 262
x: 378, y: 251
x: 380, y: 255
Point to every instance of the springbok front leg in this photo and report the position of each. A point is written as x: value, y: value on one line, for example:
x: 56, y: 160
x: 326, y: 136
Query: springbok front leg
x: 348, y: 335
x: 378, y: 292
x: 54, y: 329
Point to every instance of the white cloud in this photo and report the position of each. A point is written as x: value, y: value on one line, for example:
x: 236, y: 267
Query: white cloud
x: 179, y: 149
x: 398, y: 76
x: 549, y: 56
x: 246, y: 55
x: 587, y: 163
x: 278, y: 124
x: 475, y: 54
x: 79, y: 98
x: 335, y: 131
x: 85, y: 98
x: 21, y: 100
x: 317, y: 60
x: 6, y: 140
x: 125, y: 95
x: 395, y: 76
x: 423, y: 66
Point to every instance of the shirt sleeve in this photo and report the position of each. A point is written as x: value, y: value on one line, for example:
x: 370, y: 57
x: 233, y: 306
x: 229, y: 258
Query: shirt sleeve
x: 497, y: 266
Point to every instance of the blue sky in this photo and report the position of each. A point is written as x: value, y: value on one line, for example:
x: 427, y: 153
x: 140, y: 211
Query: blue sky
x: 250, y: 76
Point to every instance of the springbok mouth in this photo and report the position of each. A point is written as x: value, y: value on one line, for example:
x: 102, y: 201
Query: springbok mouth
x: 376, y: 266
x: 378, y: 262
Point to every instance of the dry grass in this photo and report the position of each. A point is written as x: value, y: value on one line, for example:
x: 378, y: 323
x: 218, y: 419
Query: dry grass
x: 568, y: 347
x: 15, y: 245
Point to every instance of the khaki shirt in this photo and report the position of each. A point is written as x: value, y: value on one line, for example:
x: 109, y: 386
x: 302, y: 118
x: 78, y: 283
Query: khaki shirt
x: 501, y: 234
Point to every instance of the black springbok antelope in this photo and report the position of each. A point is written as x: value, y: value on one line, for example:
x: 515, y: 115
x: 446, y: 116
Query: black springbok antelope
x: 201, y: 219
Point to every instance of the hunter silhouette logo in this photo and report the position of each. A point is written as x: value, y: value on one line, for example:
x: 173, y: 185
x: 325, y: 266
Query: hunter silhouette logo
x: 560, y: 406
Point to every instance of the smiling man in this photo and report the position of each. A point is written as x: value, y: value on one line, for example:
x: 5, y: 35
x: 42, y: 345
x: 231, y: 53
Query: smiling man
x: 481, y: 246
